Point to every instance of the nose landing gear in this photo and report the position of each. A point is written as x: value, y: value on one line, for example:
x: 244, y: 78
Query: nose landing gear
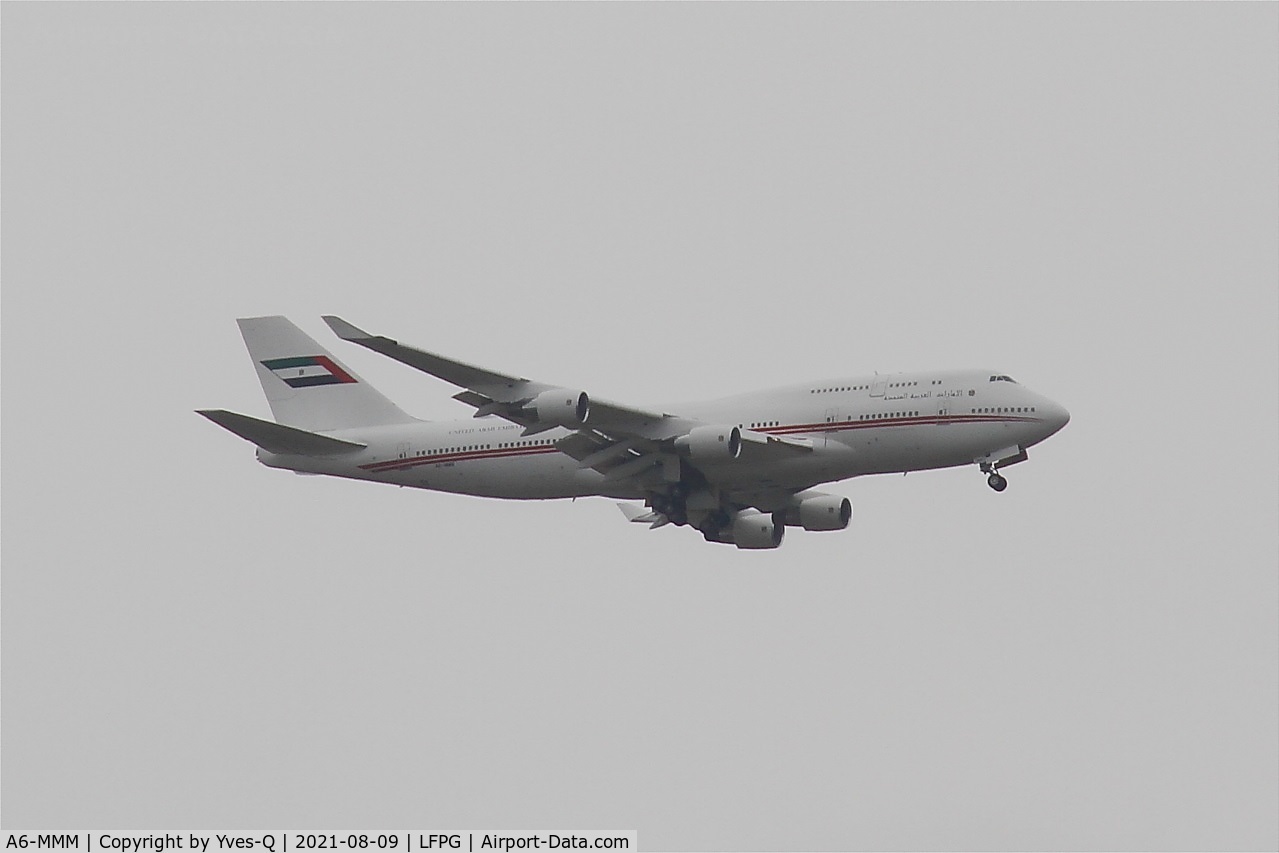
x: 994, y: 479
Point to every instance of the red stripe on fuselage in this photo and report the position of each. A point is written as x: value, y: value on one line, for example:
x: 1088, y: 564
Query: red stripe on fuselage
x: 465, y: 456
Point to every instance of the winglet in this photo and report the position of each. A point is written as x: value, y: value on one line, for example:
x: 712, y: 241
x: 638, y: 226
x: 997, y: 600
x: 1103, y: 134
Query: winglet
x: 345, y: 330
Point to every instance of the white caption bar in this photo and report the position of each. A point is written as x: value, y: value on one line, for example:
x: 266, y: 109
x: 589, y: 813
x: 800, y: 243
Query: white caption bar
x: 301, y: 841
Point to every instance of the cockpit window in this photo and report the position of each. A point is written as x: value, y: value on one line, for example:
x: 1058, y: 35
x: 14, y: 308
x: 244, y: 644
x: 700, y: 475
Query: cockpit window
x: 1002, y: 378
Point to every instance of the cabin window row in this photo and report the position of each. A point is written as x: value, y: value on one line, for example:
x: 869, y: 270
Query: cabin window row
x: 866, y: 387
x: 1006, y: 409
x: 462, y: 448
x: 914, y: 414
x: 466, y: 448
x: 839, y: 388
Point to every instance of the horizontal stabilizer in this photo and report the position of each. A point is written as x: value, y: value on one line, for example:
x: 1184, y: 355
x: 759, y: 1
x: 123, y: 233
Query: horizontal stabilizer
x: 278, y: 438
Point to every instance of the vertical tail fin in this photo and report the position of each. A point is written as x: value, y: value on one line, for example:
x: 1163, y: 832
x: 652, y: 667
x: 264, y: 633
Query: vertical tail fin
x: 306, y: 386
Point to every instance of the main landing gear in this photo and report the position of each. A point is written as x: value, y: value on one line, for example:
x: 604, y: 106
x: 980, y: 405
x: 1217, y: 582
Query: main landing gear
x: 672, y: 505
x: 995, y: 480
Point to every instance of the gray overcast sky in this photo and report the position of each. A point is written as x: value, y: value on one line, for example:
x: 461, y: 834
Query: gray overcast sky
x: 654, y: 202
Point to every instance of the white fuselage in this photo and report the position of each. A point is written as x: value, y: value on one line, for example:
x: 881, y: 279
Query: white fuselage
x: 867, y: 425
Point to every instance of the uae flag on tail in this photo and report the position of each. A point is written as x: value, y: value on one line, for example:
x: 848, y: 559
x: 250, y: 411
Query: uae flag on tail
x: 307, y: 370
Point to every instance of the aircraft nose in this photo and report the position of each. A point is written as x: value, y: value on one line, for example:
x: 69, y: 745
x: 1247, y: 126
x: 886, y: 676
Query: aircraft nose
x: 1057, y: 416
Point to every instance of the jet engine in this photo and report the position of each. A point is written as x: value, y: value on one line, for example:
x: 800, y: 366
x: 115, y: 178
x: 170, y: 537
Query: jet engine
x: 753, y: 529
x: 562, y: 407
x: 711, y: 443
x: 816, y: 511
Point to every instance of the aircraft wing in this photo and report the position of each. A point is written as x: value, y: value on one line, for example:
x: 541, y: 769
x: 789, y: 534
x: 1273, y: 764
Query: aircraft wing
x: 500, y: 387
x: 506, y: 395
x: 622, y: 442
x: 761, y: 446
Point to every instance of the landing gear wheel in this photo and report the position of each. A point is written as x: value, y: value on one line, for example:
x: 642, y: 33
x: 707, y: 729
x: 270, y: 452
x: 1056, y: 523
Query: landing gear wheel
x: 996, y: 481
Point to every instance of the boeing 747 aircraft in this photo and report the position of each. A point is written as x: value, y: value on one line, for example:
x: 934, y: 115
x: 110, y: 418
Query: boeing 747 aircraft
x: 739, y: 469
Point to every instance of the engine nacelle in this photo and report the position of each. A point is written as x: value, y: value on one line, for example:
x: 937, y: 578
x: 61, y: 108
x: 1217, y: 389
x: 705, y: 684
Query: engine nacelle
x: 562, y: 407
x: 820, y: 512
x: 755, y: 530
x: 711, y: 443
